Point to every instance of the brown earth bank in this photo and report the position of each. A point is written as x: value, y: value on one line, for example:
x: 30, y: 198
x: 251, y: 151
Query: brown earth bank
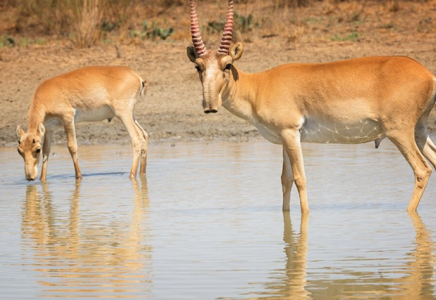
x: 172, y: 109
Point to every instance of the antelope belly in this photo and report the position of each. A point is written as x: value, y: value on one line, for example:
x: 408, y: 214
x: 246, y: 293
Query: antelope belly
x: 269, y: 135
x: 317, y: 131
x: 93, y: 115
x: 52, y: 124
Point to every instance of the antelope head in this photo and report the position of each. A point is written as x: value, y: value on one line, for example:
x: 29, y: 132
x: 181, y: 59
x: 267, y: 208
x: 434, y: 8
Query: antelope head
x: 214, y: 67
x: 29, y: 147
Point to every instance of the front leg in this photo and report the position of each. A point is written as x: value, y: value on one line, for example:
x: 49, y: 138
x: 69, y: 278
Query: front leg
x: 48, y: 136
x: 292, y: 145
x: 287, y: 181
x: 72, y: 145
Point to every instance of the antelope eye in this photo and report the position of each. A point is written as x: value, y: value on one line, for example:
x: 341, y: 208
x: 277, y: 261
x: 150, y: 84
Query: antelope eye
x: 198, y: 68
x: 228, y: 67
x: 38, y: 150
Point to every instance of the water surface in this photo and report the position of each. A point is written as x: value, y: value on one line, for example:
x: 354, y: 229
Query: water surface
x: 206, y: 223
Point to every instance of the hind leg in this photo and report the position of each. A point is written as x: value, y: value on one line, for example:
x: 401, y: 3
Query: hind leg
x: 127, y: 119
x: 425, y: 144
x: 405, y: 141
x: 430, y: 151
x: 70, y: 131
x: 144, y: 148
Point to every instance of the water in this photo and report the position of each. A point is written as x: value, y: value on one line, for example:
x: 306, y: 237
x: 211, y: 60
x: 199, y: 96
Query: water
x: 207, y: 224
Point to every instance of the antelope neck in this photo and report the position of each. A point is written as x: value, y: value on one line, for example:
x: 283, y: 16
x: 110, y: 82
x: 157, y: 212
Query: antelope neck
x: 239, y: 94
x: 34, y: 118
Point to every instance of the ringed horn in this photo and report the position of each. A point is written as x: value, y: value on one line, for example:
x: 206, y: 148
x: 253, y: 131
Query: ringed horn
x: 226, y: 39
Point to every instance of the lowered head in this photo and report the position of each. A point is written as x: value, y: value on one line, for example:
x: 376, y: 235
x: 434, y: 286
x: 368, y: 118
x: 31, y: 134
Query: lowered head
x: 29, y: 147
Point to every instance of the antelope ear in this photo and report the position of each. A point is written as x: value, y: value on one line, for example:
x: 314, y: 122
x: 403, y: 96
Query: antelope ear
x: 41, y: 129
x: 236, y: 51
x: 191, y: 53
x: 20, y: 132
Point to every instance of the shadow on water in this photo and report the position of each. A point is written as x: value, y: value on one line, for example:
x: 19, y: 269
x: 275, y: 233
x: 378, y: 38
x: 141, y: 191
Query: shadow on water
x: 66, y: 176
x: 416, y: 282
x: 76, y: 255
x: 106, y: 174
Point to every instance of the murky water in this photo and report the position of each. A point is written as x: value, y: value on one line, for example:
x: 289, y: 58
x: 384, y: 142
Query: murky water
x: 207, y: 224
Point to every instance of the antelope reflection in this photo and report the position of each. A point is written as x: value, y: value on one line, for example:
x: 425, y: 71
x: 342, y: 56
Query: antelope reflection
x: 296, y: 258
x: 291, y: 284
x: 79, y: 256
x: 420, y: 267
x: 412, y: 280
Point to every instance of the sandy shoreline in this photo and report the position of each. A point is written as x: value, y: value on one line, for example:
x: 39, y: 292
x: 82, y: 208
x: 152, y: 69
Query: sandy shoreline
x: 172, y: 108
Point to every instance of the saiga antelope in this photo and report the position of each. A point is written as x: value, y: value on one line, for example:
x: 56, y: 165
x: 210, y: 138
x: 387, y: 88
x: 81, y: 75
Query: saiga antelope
x: 87, y: 94
x: 350, y: 102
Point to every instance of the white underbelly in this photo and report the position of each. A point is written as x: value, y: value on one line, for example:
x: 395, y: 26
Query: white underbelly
x: 52, y: 124
x: 363, y: 131
x: 93, y: 115
x: 268, y: 134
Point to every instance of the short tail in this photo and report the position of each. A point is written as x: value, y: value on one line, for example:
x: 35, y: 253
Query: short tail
x: 144, y: 87
x: 434, y: 92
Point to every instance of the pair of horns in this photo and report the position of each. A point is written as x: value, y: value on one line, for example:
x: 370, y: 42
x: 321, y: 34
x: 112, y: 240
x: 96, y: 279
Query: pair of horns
x: 226, y: 39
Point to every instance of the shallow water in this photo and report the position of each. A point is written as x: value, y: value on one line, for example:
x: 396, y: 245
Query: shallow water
x: 207, y: 224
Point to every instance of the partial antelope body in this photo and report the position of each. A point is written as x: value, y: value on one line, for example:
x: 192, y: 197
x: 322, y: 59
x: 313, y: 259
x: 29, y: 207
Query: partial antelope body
x: 87, y: 94
x: 351, y: 101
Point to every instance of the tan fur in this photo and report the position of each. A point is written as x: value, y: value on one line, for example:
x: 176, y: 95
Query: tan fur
x: 87, y: 94
x: 351, y: 101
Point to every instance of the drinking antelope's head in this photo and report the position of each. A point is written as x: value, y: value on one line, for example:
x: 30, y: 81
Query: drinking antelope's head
x: 214, y: 67
x: 29, y: 147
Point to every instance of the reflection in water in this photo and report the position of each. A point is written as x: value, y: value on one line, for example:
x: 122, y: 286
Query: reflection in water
x: 78, y: 256
x: 296, y: 258
x: 408, y: 280
x: 420, y: 267
x: 417, y: 278
x: 223, y: 241
x: 291, y: 282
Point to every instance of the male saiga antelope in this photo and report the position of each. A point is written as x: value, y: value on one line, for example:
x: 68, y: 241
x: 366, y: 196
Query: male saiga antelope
x: 350, y: 102
x: 87, y: 94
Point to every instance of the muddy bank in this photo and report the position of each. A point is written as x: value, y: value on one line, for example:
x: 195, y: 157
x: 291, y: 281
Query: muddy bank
x: 172, y: 108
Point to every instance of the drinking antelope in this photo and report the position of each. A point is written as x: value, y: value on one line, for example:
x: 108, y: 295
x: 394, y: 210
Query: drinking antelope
x: 351, y: 101
x: 87, y: 94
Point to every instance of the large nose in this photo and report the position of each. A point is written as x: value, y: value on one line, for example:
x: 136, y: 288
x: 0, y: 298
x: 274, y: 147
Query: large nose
x: 210, y: 110
x: 30, y: 172
x: 30, y: 178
